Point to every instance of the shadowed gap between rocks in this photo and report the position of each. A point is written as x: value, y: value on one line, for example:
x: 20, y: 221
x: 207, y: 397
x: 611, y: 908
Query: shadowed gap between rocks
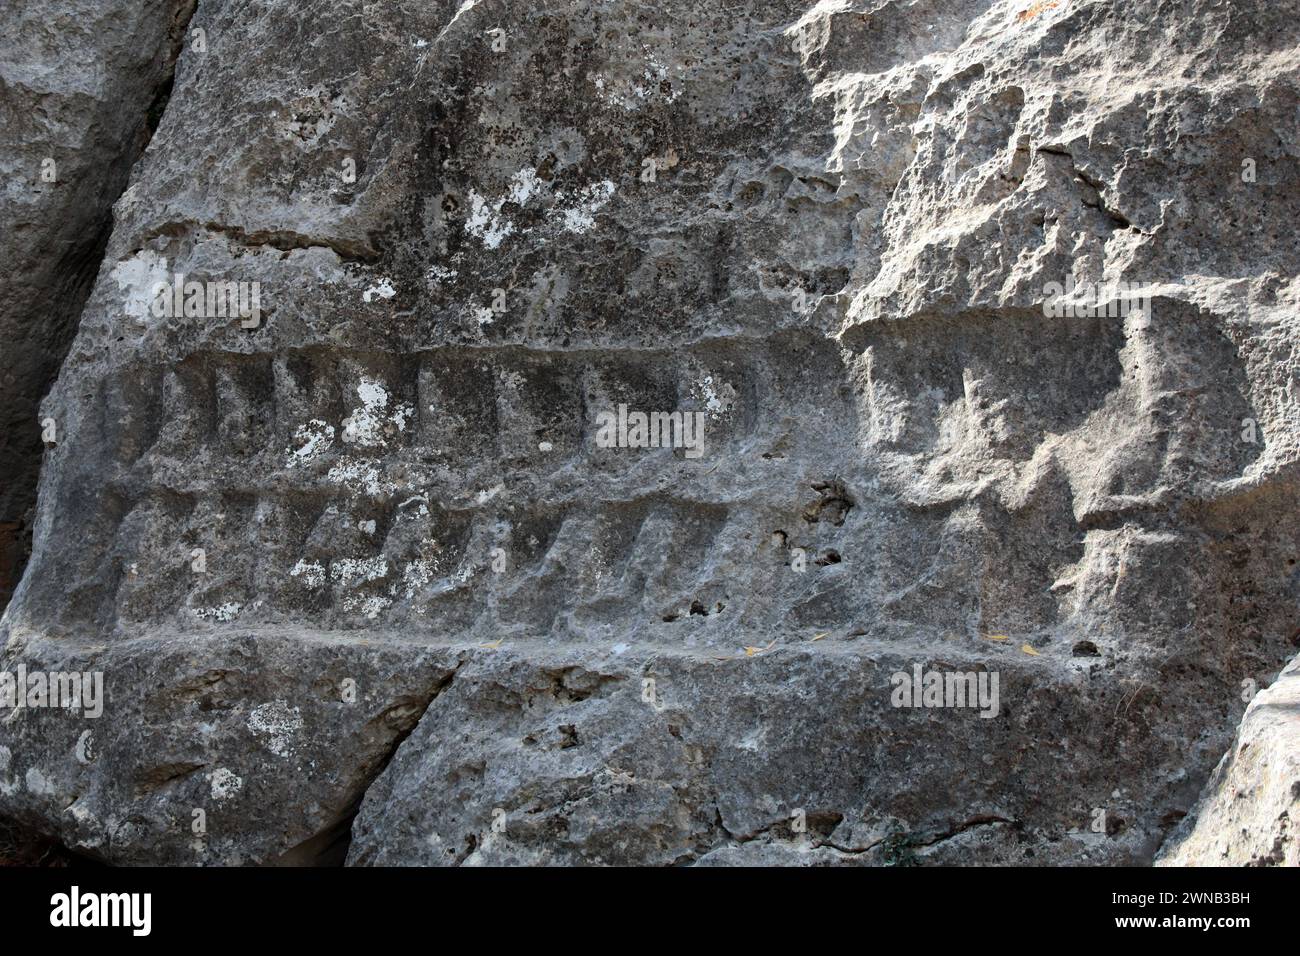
x: 330, y: 846
x: 72, y: 281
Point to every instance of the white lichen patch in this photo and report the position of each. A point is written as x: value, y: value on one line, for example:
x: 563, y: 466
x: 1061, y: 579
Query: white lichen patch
x: 589, y: 200
x: 573, y: 210
x: 416, y: 576
x: 312, y: 573
x: 224, y: 783
x: 365, y: 425
x: 315, y: 438
x: 136, y: 279
x: 360, y: 474
x: 368, y: 424
x: 632, y: 91
x: 356, y: 572
x: 222, y: 613
x: 350, y: 571
x: 524, y: 185
x: 717, y: 397
x: 383, y: 289
x: 371, y: 606
x: 276, y: 725
x: 485, y: 221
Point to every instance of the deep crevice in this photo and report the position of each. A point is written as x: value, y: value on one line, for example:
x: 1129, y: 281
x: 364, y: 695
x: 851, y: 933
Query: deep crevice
x: 332, y: 843
x: 74, y: 282
x: 22, y: 846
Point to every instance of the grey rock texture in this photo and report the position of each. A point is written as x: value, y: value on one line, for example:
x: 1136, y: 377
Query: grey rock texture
x: 363, y: 583
x: 1250, y: 812
x: 81, y: 84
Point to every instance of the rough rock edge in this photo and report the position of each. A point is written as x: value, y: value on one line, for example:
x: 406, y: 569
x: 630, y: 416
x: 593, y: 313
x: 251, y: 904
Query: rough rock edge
x: 66, y: 290
x: 20, y: 842
x: 1250, y: 810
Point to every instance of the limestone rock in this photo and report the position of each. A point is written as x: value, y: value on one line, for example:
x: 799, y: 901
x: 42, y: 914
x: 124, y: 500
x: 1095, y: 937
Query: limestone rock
x: 81, y: 84
x: 1251, y: 808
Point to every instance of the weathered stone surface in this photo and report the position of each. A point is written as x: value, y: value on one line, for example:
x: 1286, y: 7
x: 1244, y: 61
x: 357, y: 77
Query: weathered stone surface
x: 231, y: 725
x: 1251, y: 808
x: 831, y: 229
x: 81, y: 84
x: 575, y: 765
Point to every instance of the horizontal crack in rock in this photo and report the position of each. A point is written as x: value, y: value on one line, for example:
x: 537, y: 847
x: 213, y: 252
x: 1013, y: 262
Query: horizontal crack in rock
x: 284, y: 240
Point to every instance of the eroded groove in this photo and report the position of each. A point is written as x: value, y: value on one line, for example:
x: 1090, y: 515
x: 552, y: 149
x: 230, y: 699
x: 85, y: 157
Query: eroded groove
x: 282, y: 240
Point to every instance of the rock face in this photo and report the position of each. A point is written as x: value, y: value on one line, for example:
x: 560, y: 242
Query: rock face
x: 1250, y: 814
x: 987, y: 313
x: 82, y: 83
